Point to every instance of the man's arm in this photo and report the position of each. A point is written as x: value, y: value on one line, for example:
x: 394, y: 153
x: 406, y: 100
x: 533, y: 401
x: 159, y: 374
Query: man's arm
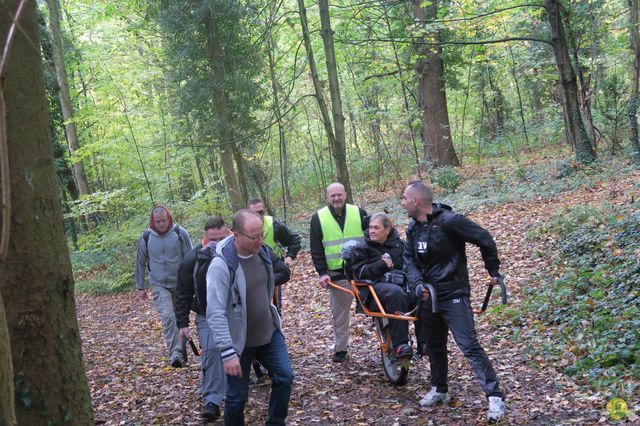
x: 283, y: 236
x: 281, y: 273
x: 469, y: 231
x: 315, y: 246
x: 218, y: 289
x: 142, y: 258
x: 411, y: 271
x: 185, y: 289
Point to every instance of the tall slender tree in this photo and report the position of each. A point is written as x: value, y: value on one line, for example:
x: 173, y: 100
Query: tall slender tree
x: 574, y: 125
x: 634, y: 35
x: 68, y: 113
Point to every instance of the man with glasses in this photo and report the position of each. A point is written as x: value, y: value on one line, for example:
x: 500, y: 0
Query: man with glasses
x: 243, y: 321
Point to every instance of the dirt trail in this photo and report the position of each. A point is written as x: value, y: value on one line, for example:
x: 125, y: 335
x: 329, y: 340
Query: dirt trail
x: 131, y: 384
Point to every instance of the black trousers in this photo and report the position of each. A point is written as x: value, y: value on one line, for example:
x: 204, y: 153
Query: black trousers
x: 395, y: 299
x: 456, y: 315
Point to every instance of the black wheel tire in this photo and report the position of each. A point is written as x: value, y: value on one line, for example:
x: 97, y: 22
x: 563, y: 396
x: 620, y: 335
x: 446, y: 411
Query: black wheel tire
x: 396, y: 372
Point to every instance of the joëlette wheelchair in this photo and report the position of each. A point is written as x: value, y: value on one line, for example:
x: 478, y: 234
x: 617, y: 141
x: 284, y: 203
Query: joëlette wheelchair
x: 397, y: 371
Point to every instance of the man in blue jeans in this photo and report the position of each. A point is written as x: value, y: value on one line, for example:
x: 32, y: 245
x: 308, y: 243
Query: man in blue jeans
x: 243, y: 321
x: 435, y: 254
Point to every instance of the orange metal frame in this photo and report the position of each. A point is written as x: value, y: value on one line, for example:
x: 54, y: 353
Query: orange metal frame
x: 356, y: 286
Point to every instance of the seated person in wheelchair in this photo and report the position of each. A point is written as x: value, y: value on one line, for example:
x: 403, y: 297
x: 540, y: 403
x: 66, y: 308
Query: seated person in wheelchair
x: 379, y: 259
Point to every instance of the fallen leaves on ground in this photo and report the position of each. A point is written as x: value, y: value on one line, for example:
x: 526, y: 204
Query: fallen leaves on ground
x: 132, y: 384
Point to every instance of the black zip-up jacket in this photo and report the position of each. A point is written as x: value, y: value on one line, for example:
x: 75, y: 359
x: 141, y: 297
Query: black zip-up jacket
x: 315, y: 239
x: 435, y: 252
x: 283, y: 236
x: 367, y: 257
x: 185, y: 292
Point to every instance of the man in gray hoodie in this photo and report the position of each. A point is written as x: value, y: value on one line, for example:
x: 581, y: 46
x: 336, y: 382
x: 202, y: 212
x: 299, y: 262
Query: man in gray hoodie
x: 161, y: 249
x: 243, y: 321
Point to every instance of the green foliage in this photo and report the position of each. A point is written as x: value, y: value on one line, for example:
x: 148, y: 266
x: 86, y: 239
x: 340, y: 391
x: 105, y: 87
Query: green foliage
x: 447, y: 179
x: 588, y: 316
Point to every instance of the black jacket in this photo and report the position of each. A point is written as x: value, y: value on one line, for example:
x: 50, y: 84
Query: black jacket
x: 315, y: 239
x: 435, y: 252
x: 367, y: 257
x: 185, y: 292
x: 283, y: 236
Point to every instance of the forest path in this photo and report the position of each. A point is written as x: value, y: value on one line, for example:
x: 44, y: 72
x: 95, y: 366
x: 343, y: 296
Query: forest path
x: 131, y: 384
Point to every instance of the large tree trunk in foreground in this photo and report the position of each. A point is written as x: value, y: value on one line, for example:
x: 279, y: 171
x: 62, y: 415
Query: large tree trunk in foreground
x: 35, y: 277
x: 575, y: 129
x: 436, y: 131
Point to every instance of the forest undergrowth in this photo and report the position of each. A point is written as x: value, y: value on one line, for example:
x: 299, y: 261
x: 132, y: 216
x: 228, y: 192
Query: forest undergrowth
x: 564, y: 347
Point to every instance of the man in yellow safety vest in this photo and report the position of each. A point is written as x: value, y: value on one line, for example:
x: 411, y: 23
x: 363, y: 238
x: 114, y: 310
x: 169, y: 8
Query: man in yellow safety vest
x: 331, y: 227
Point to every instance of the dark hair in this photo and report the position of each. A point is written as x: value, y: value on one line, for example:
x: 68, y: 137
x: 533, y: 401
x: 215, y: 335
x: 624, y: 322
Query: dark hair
x: 240, y: 217
x: 423, y: 190
x: 214, y: 222
x: 254, y: 201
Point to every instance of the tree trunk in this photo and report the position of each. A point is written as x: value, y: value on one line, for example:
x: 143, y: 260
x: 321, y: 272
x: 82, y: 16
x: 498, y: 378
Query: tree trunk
x: 436, y: 131
x: 575, y: 129
x: 65, y: 97
x: 49, y: 375
x: 275, y: 88
x: 633, y: 102
x: 340, y: 148
x: 226, y: 136
x: 7, y: 399
x: 337, y: 148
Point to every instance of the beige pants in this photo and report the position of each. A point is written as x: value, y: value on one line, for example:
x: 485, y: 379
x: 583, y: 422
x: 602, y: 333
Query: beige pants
x: 340, y: 311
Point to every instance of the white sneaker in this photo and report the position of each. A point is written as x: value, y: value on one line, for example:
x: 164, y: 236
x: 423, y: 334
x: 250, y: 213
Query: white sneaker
x: 434, y: 397
x: 496, y: 409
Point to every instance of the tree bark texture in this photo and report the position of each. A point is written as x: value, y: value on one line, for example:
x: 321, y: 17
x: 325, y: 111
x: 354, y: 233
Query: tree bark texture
x: 436, y: 131
x: 226, y: 134
x: 65, y: 97
x: 35, y: 278
x: 633, y: 102
x: 575, y: 129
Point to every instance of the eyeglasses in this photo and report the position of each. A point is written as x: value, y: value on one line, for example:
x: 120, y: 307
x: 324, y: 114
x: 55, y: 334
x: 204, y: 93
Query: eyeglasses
x: 255, y: 238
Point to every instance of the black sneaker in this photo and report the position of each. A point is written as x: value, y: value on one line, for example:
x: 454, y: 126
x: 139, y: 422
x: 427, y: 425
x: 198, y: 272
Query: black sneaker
x: 404, y: 351
x: 176, y: 361
x: 211, y: 412
x: 339, y: 356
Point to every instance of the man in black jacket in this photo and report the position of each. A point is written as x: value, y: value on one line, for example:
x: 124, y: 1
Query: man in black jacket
x: 213, y: 378
x: 435, y: 254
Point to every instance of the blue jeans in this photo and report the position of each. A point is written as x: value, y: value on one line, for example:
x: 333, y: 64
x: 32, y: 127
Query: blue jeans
x: 275, y: 357
x: 212, y: 372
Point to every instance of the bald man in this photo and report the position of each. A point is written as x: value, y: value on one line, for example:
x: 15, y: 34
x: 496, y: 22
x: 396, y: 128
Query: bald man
x: 435, y: 254
x: 331, y: 227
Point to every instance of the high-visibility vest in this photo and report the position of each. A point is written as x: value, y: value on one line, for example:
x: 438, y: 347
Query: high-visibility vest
x: 269, y: 235
x: 333, y: 238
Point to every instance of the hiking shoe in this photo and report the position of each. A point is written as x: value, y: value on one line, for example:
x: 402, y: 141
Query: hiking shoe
x: 211, y: 412
x: 434, y: 397
x: 496, y: 409
x: 339, y: 356
x: 403, y: 352
x: 176, y: 360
